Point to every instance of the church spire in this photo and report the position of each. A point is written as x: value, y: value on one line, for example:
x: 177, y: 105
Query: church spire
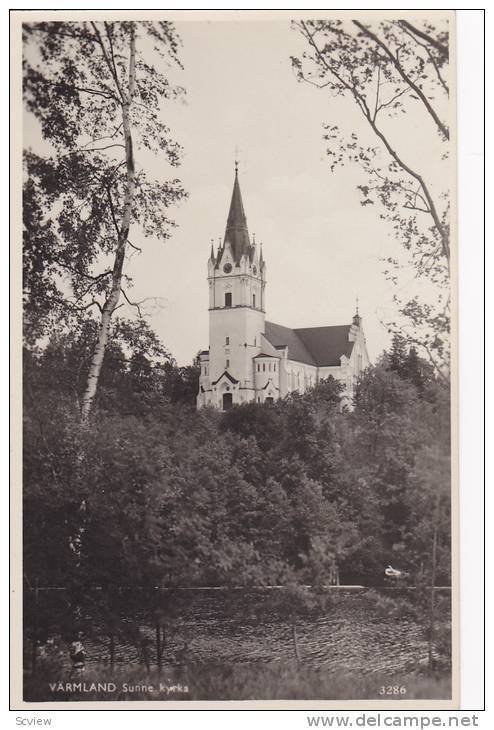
x: 236, y: 232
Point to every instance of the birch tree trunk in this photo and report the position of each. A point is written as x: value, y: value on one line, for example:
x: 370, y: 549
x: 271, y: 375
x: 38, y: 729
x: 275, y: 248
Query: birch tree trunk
x: 123, y: 234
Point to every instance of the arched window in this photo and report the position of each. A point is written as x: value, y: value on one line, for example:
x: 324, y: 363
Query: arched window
x: 258, y: 368
x: 227, y: 364
x: 228, y: 299
x: 254, y: 301
x: 274, y: 367
x: 264, y: 367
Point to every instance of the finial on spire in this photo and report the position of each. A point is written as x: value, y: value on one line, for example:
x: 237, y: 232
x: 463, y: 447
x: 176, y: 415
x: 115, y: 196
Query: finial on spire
x: 237, y: 155
x: 357, y: 319
x: 253, y: 239
x: 356, y: 305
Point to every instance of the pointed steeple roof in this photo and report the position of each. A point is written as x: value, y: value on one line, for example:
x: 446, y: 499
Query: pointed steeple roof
x: 236, y: 232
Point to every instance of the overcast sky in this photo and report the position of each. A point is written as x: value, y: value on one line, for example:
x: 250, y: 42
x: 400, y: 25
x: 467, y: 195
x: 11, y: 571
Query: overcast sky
x: 322, y: 248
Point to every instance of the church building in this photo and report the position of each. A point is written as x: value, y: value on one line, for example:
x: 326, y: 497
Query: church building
x: 251, y: 359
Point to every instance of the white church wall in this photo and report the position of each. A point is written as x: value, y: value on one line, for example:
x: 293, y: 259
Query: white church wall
x: 267, y: 377
x: 300, y: 376
x: 235, y: 338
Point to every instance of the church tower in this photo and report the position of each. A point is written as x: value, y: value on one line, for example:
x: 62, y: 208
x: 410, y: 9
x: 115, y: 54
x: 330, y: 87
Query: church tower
x: 250, y: 359
x: 237, y: 281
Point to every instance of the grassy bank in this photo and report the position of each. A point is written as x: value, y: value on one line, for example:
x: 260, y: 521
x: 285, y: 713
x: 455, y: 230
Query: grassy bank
x: 230, y: 682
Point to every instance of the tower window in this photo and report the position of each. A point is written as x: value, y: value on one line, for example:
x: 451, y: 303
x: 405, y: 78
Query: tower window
x: 264, y: 367
x: 258, y: 368
x: 227, y: 340
x: 228, y: 299
x: 274, y: 367
x: 227, y: 364
x: 269, y: 367
x: 254, y: 300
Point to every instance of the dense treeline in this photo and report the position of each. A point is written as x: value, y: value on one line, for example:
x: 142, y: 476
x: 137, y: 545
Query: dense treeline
x: 152, y: 492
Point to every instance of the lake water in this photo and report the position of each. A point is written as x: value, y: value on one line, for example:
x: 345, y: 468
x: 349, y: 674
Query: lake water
x: 220, y: 626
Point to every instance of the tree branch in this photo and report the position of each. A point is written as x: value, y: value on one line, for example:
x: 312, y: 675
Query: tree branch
x: 94, y: 149
x: 429, y: 39
x: 363, y: 107
x: 385, y: 104
x: 105, y: 55
x: 112, y: 57
x: 359, y: 99
x: 134, y: 247
x: 441, y: 126
x: 430, y: 56
x: 83, y: 274
x: 77, y: 308
x: 378, y: 86
x: 133, y: 304
x: 95, y: 92
x: 415, y: 207
x: 435, y: 216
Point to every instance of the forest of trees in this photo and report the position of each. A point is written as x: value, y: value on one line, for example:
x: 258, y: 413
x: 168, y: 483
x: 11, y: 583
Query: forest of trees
x: 157, y: 493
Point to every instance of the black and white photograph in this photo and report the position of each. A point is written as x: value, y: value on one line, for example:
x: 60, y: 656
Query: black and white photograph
x: 238, y: 358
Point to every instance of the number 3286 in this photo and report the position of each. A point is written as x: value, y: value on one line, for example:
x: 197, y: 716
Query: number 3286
x: 393, y: 689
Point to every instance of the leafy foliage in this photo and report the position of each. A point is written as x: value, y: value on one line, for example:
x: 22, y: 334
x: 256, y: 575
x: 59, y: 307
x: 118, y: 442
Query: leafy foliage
x: 98, y: 92
x: 388, y: 70
x: 260, y: 494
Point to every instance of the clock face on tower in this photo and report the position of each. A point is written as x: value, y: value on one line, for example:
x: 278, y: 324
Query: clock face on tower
x: 227, y: 268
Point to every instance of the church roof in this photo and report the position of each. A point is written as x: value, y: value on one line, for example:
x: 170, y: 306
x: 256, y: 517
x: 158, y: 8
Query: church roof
x: 236, y: 225
x: 263, y: 354
x: 319, y: 346
x: 225, y: 374
x: 327, y: 344
x: 280, y: 336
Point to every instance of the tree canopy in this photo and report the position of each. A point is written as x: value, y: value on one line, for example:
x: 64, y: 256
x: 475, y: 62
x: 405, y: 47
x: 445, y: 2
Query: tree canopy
x: 262, y: 492
x: 98, y: 91
x: 391, y: 71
